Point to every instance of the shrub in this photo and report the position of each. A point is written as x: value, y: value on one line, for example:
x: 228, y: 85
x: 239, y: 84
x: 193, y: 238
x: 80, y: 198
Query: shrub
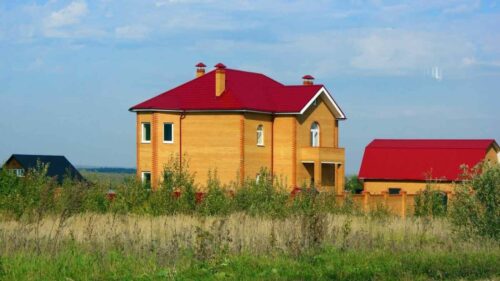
x: 263, y: 196
x: 353, y: 185
x: 430, y: 202
x: 215, y: 201
x: 475, y: 208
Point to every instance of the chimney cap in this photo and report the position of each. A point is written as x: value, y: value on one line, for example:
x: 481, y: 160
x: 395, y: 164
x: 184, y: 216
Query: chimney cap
x: 308, y: 77
x: 220, y: 66
x: 200, y: 64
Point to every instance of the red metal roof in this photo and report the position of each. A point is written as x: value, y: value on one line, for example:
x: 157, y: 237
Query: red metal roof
x: 244, y: 91
x: 390, y: 159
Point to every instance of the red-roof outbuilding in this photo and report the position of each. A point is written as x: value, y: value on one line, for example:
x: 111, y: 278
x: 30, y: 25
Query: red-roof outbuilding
x: 421, y: 160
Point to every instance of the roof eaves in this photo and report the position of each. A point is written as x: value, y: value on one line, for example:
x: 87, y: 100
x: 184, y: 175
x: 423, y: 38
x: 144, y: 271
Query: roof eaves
x: 330, y: 99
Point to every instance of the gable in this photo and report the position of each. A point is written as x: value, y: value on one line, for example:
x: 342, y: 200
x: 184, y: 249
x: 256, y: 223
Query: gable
x: 12, y: 163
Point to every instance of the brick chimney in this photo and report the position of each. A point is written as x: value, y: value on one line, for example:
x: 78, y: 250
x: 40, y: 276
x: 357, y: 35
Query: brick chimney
x: 200, y: 69
x: 220, y: 79
x: 308, y: 79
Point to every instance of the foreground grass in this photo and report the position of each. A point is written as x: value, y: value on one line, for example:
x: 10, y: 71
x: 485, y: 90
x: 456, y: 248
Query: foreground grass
x: 328, y: 263
x: 240, y: 247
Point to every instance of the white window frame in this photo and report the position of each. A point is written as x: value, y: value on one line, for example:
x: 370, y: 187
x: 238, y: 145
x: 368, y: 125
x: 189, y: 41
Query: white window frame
x: 166, y: 141
x: 143, y: 176
x: 19, y: 172
x: 315, y: 135
x: 143, y: 131
x: 260, y: 129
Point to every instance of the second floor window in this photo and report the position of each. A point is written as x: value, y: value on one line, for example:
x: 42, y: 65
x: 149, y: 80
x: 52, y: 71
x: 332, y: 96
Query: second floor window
x: 18, y: 172
x: 315, y: 134
x: 168, y: 133
x: 260, y: 135
x: 146, y: 132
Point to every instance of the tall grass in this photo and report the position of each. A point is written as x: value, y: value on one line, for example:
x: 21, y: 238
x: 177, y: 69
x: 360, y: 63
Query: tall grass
x: 340, y: 247
x: 251, y: 231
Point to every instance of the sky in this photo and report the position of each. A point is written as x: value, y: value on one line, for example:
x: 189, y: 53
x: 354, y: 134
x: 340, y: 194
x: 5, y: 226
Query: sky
x: 70, y: 70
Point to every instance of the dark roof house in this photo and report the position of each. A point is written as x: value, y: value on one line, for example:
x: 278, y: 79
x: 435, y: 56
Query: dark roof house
x: 59, y: 166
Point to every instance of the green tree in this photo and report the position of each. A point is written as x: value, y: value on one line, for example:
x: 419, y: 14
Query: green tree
x: 475, y: 208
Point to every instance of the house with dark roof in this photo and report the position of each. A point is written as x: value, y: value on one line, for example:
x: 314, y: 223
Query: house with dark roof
x: 236, y: 122
x: 394, y: 165
x: 58, y: 166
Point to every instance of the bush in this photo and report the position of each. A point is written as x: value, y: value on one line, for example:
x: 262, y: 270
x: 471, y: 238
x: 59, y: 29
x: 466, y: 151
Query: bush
x: 475, y: 208
x: 430, y: 202
x: 215, y: 201
x: 261, y: 197
x: 353, y: 185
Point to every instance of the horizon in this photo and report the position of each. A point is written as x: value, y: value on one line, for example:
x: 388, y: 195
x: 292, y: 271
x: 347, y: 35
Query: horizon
x: 70, y: 70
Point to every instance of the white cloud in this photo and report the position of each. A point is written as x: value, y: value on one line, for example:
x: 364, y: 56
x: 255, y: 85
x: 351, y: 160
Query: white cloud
x: 401, y: 51
x: 68, y: 15
x: 66, y: 22
x: 134, y: 32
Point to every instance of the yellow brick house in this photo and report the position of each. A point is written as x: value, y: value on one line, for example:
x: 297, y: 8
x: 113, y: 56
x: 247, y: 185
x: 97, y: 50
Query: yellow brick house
x: 238, y: 122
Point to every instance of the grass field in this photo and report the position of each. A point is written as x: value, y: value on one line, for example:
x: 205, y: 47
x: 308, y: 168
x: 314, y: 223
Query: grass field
x: 75, y: 232
x: 182, y: 247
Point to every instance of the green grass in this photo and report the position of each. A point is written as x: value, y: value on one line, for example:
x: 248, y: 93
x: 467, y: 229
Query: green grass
x: 109, y: 179
x: 75, y: 263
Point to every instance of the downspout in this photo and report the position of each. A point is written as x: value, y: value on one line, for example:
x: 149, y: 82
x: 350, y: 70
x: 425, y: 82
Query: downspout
x: 181, y: 116
x: 272, y: 145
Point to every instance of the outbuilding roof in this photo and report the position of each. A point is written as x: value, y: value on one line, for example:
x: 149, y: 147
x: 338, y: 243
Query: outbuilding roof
x: 244, y: 91
x: 58, y: 168
x: 421, y: 159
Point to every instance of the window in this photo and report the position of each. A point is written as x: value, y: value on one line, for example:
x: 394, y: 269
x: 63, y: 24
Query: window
x: 18, y: 172
x: 146, y: 179
x: 315, y: 134
x: 260, y: 135
x: 168, y: 133
x: 146, y: 132
x: 394, y: 190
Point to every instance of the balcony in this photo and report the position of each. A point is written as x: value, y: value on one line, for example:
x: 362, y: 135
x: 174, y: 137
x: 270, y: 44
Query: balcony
x: 322, y: 154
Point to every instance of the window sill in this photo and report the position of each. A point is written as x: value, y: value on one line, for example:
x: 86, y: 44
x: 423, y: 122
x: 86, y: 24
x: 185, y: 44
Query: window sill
x: 145, y: 141
x: 260, y: 145
x: 168, y: 142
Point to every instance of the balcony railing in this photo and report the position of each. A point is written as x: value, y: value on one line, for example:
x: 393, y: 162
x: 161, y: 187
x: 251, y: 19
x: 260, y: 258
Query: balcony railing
x: 322, y: 154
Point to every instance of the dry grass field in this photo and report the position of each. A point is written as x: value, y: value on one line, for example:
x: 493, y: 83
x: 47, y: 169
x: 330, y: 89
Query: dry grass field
x: 184, y: 247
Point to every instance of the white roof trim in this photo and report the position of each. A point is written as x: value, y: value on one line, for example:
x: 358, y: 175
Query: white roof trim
x: 333, y: 104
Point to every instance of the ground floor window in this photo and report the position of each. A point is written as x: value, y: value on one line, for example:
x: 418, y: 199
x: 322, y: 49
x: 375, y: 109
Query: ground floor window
x: 394, y: 190
x: 146, y: 179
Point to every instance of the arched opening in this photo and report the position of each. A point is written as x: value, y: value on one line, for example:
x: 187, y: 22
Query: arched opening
x: 315, y: 134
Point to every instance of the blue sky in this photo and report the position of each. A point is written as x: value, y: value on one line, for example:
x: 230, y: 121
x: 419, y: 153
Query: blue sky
x: 69, y: 70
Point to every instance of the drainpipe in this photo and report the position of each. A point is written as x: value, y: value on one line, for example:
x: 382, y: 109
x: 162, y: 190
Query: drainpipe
x: 181, y: 116
x: 272, y: 146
